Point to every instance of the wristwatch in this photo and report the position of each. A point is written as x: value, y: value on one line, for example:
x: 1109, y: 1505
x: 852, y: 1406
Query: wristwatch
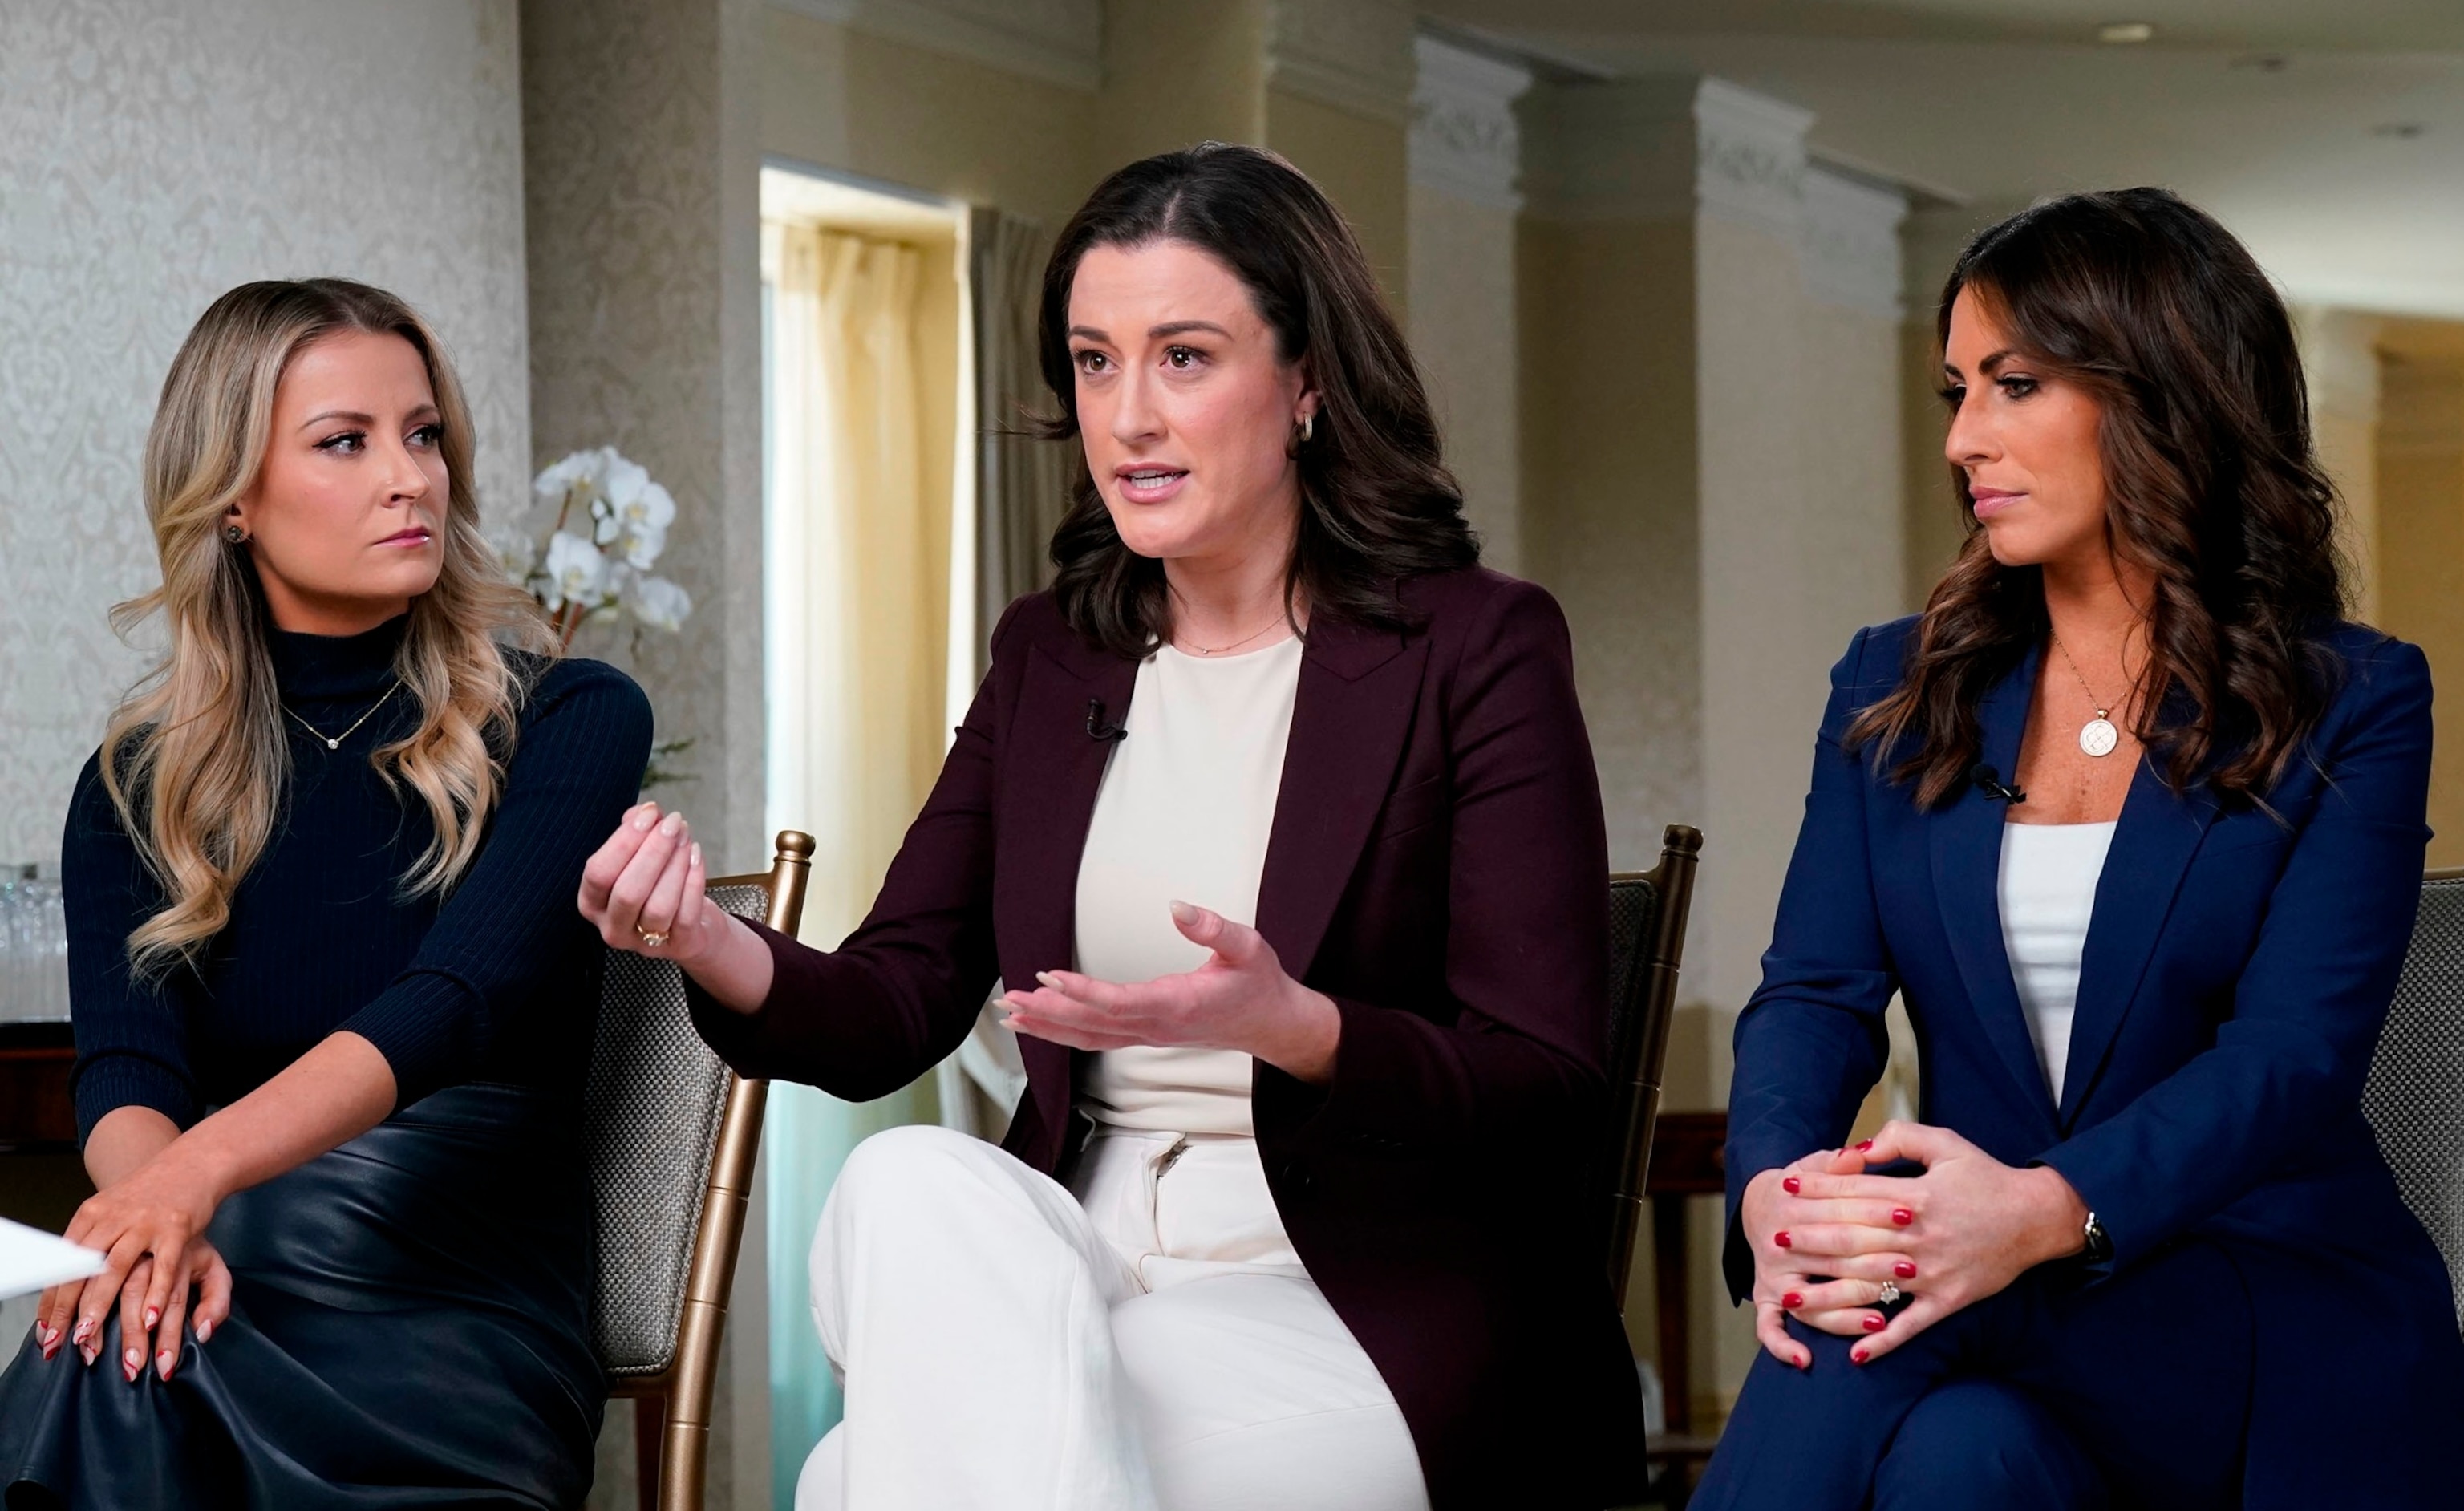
x: 2100, y: 1245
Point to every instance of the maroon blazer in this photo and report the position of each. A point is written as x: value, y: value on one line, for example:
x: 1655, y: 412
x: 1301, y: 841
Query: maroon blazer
x: 1438, y: 866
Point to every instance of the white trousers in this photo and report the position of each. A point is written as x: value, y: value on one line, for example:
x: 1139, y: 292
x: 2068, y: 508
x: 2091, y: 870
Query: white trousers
x: 1150, y: 1344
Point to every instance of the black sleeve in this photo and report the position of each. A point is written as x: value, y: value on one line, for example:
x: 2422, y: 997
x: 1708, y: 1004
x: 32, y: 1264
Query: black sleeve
x: 576, y: 767
x: 132, y: 1036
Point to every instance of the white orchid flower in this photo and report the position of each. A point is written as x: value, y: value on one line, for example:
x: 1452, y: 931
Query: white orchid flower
x: 576, y: 573
x: 515, y: 551
x: 578, y: 476
x: 660, y: 603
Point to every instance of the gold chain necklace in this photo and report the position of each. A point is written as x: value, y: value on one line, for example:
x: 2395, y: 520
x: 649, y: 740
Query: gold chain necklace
x: 1217, y: 650
x: 334, y: 742
x: 2098, y: 736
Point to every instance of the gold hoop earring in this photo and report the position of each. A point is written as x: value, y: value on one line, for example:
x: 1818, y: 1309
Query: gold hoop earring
x: 1309, y: 427
x: 234, y: 533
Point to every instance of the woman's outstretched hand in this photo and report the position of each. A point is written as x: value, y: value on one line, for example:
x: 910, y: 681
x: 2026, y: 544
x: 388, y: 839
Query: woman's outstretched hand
x: 646, y: 890
x: 1966, y: 1229
x: 1240, y: 999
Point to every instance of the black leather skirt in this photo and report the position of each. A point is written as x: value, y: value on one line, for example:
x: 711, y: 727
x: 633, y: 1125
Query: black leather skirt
x: 409, y: 1327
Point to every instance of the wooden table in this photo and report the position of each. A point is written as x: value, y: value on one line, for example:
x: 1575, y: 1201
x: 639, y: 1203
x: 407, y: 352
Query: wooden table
x: 35, y: 1114
x: 1688, y: 1159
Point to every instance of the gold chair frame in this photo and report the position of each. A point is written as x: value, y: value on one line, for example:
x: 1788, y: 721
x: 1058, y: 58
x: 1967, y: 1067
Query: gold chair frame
x: 671, y: 1409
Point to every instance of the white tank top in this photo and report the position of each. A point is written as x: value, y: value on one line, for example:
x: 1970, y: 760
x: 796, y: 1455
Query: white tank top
x: 1185, y: 811
x: 2047, y: 890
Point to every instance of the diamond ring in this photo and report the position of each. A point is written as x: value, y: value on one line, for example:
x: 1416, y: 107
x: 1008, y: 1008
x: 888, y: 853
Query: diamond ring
x: 1890, y: 1293
x: 651, y: 938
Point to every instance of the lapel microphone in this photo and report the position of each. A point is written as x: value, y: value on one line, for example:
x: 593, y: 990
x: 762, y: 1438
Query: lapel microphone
x: 1097, y: 728
x: 1989, y: 781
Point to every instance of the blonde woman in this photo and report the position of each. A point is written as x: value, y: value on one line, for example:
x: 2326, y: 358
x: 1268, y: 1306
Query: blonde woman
x: 332, y: 1007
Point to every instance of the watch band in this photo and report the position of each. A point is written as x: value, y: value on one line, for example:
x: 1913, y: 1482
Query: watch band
x: 2100, y: 1245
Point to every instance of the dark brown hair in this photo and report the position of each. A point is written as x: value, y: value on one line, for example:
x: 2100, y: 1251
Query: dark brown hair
x: 1377, y: 505
x: 2156, y: 311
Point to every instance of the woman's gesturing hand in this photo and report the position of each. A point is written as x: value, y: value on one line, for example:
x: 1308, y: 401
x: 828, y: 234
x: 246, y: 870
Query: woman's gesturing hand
x: 1240, y: 999
x: 151, y: 1226
x: 1968, y: 1226
x: 643, y: 889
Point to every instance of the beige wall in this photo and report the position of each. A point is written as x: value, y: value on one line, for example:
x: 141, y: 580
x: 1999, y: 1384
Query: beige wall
x: 2340, y: 357
x: 1610, y: 502
x: 1360, y: 163
x: 2421, y: 533
x: 1935, y: 525
x: 153, y: 155
x: 1177, y: 73
x: 837, y: 97
x: 1462, y: 326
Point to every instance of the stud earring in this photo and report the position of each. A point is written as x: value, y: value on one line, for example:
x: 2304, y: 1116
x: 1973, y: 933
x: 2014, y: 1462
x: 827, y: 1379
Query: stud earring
x: 234, y: 533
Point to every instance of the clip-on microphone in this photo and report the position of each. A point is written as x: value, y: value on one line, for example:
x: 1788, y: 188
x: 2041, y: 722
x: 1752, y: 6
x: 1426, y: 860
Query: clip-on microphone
x: 1097, y: 728
x: 1989, y: 781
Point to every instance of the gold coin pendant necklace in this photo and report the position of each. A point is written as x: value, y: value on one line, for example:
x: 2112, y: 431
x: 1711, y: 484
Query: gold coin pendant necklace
x: 2097, y: 737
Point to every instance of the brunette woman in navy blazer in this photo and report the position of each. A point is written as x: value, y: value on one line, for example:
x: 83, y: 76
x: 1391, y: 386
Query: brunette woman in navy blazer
x: 2134, y: 822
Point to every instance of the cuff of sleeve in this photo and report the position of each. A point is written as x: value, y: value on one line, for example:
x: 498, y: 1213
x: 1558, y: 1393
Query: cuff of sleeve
x: 1353, y: 1098
x: 429, y: 1027
x: 745, y: 1039
x: 107, y: 1083
x: 2084, y: 1270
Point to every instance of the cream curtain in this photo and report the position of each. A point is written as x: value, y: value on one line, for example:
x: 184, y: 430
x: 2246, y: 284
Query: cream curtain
x: 857, y: 589
x: 1022, y: 482
x: 1021, y: 487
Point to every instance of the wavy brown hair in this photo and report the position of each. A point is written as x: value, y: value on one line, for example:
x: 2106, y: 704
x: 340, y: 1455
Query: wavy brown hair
x: 2157, y: 312
x: 1376, y: 504
x: 194, y: 758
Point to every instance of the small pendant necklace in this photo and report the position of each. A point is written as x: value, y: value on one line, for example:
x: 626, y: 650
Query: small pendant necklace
x: 334, y: 742
x: 2097, y: 737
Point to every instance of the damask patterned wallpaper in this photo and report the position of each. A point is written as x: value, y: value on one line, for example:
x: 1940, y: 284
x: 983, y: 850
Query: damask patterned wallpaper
x: 153, y: 153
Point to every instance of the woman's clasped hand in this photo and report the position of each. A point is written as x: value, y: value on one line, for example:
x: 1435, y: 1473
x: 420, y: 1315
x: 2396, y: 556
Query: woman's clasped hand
x: 1828, y: 1237
x: 150, y: 1227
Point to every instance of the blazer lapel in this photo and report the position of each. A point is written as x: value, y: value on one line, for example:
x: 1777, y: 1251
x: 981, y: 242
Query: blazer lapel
x: 1053, y: 770
x: 1350, y: 717
x: 2152, y: 846
x: 1966, y: 843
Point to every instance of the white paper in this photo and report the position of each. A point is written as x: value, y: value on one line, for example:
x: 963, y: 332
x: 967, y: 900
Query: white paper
x: 30, y: 1260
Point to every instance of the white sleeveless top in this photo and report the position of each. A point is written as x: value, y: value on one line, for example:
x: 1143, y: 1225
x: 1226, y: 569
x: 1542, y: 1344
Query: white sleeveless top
x: 2047, y: 890
x: 1183, y: 813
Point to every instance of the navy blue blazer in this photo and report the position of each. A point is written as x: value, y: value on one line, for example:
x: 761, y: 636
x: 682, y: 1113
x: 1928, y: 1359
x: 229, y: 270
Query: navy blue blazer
x: 2237, y: 970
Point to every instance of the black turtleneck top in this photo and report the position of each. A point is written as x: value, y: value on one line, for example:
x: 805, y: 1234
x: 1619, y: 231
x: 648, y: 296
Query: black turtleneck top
x: 496, y: 981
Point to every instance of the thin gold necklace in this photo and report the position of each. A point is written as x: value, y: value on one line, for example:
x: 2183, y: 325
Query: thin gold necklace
x: 334, y: 742
x: 1217, y: 650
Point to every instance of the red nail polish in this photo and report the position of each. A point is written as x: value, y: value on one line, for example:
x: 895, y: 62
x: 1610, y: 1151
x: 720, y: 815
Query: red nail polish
x: 162, y: 1363
x: 1902, y: 1216
x: 1904, y: 1270
x: 1865, y: 1146
x: 50, y: 1349
x: 1874, y: 1324
x: 1791, y: 1302
x: 153, y: 1315
x: 1805, y: 1361
x: 1781, y: 1238
x: 1788, y: 1185
x: 1858, y: 1356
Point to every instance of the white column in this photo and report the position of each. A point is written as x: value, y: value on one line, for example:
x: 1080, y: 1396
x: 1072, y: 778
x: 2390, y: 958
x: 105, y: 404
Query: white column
x: 1465, y: 160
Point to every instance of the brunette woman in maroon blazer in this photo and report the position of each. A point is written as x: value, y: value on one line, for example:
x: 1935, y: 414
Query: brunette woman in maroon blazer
x: 1278, y: 818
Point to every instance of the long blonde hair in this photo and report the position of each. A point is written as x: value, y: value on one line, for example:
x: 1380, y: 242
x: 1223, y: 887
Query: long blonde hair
x: 195, y: 759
